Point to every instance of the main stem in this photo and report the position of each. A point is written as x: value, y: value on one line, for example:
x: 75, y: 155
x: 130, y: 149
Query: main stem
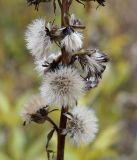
x: 61, y: 138
x: 65, y: 60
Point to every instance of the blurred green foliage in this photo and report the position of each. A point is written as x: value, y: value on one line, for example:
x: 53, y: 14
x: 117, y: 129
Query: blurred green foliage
x: 107, y: 29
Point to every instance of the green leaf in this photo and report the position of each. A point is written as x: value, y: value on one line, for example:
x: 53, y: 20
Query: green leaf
x: 106, y: 138
x: 4, y: 156
x: 35, y: 148
x: 21, y: 100
x: 16, y: 143
x: 4, y: 104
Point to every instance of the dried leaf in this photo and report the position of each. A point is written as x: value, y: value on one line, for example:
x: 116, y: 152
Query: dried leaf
x: 49, y: 136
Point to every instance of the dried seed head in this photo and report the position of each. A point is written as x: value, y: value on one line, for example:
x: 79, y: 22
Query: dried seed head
x: 74, y: 21
x: 101, y: 2
x: 91, y: 65
x: 96, y: 62
x: 82, y: 127
x: 36, y: 2
x: 72, y: 40
x: 34, y: 110
x: 44, y: 65
x: 37, y: 38
x: 62, y: 87
x: 91, y: 82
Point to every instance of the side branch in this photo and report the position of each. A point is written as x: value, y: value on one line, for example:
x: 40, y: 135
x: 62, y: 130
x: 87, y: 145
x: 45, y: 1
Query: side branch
x: 54, y: 125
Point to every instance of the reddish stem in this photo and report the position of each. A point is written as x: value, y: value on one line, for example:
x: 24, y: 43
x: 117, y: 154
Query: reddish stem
x: 65, y: 60
x: 61, y: 138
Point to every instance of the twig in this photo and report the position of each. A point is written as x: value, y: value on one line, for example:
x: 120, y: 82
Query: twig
x: 54, y: 125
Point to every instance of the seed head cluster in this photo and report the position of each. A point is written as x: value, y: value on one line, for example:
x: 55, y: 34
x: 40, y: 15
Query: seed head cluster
x: 72, y: 40
x: 64, y: 83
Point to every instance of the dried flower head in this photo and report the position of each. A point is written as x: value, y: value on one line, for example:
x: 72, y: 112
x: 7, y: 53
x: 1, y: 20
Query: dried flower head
x: 76, y: 23
x: 96, y: 62
x: 92, y: 62
x: 73, y: 21
x: 82, y: 125
x: 34, y: 110
x: 44, y: 65
x: 62, y: 87
x: 37, y: 38
x: 91, y: 82
x: 101, y: 2
x: 36, y: 2
x: 72, y: 40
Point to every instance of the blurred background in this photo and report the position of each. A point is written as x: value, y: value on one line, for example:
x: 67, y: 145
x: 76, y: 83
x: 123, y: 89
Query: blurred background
x: 112, y: 29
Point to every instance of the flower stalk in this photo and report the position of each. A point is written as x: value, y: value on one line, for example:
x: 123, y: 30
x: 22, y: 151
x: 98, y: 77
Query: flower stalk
x: 65, y: 60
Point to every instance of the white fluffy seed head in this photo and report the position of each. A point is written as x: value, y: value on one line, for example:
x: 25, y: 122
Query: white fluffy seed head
x: 38, y: 42
x: 62, y: 87
x: 83, y: 126
x: 72, y: 42
x: 34, y: 104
